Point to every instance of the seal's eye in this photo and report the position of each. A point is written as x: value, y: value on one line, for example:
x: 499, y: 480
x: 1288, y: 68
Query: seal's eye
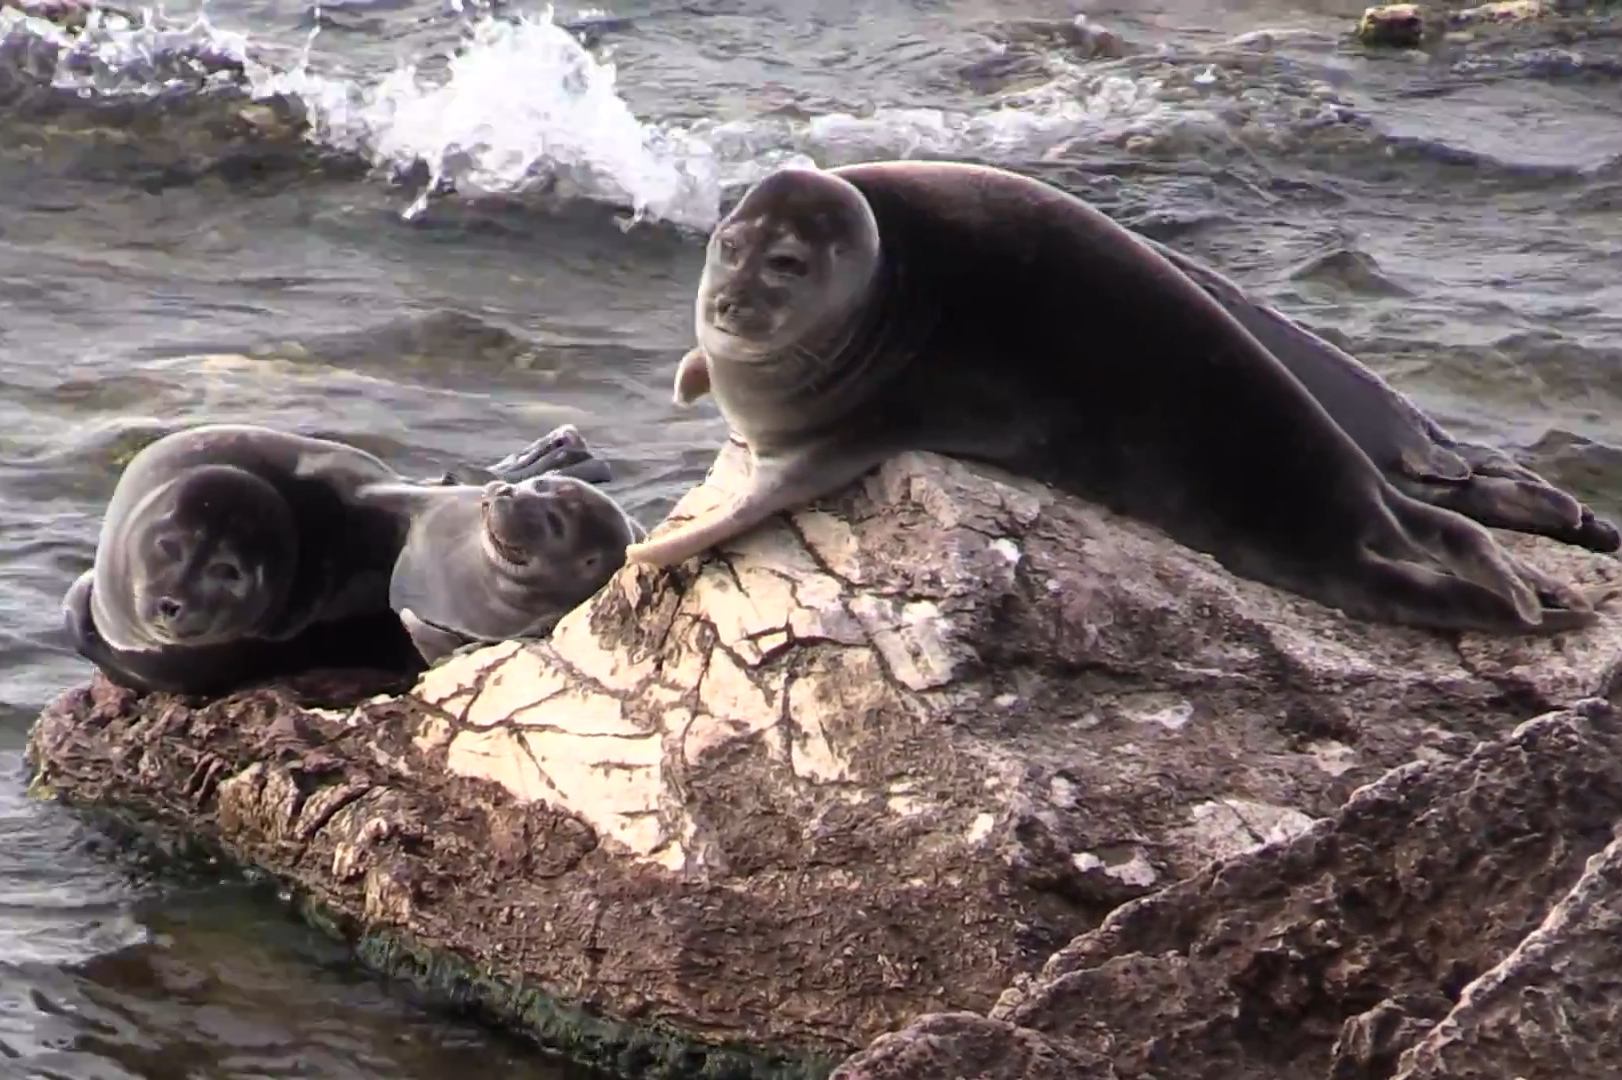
x: 791, y: 265
x: 225, y: 573
x: 170, y: 549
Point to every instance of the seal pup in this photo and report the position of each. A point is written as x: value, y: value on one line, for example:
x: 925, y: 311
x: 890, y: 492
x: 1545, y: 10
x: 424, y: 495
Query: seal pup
x: 849, y: 314
x: 1416, y: 454
x: 231, y: 553
x: 491, y: 563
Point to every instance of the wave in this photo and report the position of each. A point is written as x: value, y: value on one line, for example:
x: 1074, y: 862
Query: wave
x: 524, y: 106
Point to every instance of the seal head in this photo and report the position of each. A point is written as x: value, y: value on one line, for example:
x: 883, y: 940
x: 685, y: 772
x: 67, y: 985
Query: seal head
x: 205, y: 558
x: 505, y: 560
x: 789, y: 285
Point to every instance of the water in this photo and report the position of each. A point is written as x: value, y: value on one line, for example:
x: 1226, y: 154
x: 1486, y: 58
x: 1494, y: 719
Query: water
x: 493, y: 228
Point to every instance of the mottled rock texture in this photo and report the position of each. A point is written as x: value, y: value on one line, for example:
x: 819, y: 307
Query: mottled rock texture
x: 1410, y: 26
x: 1458, y: 920
x: 878, y: 759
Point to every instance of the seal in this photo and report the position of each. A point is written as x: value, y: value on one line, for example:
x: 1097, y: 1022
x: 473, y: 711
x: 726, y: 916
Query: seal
x: 500, y: 561
x: 849, y: 314
x: 232, y: 553
x: 1416, y: 454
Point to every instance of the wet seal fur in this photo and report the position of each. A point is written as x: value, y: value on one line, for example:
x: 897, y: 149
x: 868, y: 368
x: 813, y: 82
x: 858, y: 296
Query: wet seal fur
x: 1416, y: 454
x: 233, y: 553
x: 492, y: 563
x: 849, y: 314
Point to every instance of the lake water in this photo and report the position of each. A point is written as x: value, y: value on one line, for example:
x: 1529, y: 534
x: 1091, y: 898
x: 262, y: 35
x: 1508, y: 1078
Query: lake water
x: 1452, y: 218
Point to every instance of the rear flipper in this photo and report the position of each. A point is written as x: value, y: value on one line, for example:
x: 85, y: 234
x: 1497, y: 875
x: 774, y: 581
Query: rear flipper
x: 1475, y: 583
x: 1506, y: 495
x: 1409, y: 593
x: 562, y: 452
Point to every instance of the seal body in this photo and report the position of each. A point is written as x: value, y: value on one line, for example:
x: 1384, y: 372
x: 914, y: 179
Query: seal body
x: 501, y: 561
x: 849, y: 314
x: 233, y: 553
x: 1415, y: 453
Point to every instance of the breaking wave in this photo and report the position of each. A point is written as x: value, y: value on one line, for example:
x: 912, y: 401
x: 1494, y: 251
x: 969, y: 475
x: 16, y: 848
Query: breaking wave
x: 522, y: 106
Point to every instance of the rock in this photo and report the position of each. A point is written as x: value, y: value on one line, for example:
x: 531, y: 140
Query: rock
x: 1552, y: 1007
x: 1407, y: 26
x: 1443, y: 923
x: 875, y: 760
x: 1400, y: 26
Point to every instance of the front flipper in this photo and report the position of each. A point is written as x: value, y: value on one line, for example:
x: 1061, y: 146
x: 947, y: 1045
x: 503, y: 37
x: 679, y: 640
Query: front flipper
x: 433, y: 643
x: 777, y: 483
x: 692, y: 377
x: 76, y: 618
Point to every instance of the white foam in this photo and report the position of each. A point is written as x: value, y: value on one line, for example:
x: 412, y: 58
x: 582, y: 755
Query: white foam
x: 521, y: 105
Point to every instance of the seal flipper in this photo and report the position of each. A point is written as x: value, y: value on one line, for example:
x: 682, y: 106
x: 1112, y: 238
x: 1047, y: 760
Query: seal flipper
x: 87, y: 641
x: 80, y: 623
x: 1527, y: 599
x: 1432, y: 463
x: 1418, y: 595
x: 562, y: 450
x: 433, y: 643
x: 776, y: 484
x: 692, y: 377
x: 1507, y: 495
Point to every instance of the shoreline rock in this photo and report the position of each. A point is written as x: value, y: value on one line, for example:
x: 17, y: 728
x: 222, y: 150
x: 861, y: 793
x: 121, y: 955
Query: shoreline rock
x: 1412, y: 26
x: 880, y: 759
x: 1456, y: 920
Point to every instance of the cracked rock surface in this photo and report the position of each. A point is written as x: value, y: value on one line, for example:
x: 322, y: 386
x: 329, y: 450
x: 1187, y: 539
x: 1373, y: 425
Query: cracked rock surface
x: 1458, y: 920
x: 878, y: 759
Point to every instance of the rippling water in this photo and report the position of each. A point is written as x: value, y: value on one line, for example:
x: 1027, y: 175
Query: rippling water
x: 494, y: 225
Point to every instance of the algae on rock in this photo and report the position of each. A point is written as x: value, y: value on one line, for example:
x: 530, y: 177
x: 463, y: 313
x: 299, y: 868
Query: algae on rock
x: 877, y: 759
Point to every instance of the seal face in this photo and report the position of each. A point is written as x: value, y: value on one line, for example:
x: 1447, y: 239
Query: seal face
x: 849, y: 314
x: 504, y: 561
x: 208, y: 558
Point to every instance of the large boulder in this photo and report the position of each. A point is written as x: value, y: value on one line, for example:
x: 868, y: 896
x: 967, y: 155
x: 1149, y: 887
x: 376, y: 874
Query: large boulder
x: 879, y: 759
x: 1454, y: 921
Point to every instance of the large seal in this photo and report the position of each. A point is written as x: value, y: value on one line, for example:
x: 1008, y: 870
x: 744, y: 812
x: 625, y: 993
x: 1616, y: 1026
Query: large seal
x: 500, y: 561
x: 1416, y: 454
x: 232, y: 553
x: 849, y: 314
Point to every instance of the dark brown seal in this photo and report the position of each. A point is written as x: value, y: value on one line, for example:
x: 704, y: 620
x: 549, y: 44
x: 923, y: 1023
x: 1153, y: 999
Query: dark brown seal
x: 846, y: 315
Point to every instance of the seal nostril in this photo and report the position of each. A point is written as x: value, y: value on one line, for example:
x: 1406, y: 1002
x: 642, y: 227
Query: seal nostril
x: 169, y: 608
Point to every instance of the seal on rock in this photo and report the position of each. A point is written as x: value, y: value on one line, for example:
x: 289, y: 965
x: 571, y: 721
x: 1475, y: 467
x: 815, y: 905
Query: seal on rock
x: 1416, y: 454
x: 500, y: 561
x: 849, y: 314
x: 231, y: 553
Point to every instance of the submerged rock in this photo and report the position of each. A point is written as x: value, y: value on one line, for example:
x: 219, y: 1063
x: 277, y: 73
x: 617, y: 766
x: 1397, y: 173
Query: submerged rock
x: 1459, y: 920
x: 878, y: 759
